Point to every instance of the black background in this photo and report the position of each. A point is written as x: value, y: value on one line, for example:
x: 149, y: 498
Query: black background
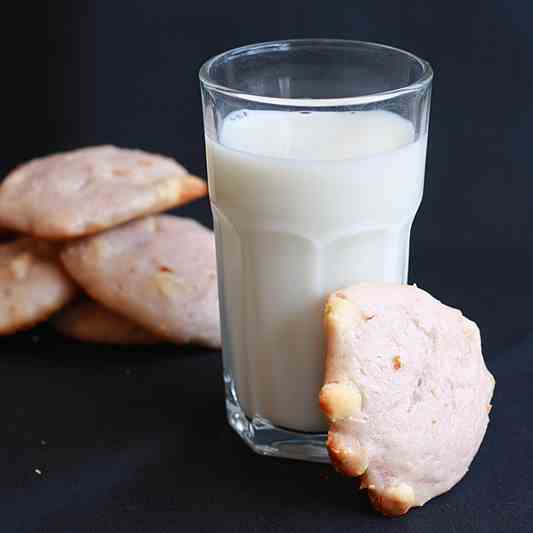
x: 136, y: 440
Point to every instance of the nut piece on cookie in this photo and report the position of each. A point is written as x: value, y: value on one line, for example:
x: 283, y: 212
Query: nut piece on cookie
x: 33, y: 284
x: 85, y: 191
x: 346, y: 453
x: 160, y: 272
x: 393, y: 501
x: 89, y: 321
x: 340, y: 400
x: 406, y: 391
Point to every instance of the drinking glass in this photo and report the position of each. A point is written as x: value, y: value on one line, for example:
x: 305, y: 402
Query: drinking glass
x: 316, y: 154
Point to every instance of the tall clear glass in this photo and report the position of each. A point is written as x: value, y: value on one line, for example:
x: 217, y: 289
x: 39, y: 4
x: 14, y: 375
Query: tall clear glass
x: 316, y: 154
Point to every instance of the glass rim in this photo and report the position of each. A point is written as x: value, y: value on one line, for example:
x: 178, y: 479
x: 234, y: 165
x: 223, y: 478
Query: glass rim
x: 424, y: 80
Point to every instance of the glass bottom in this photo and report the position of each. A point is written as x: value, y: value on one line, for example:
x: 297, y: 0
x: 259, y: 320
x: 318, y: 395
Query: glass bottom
x: 265, y: 438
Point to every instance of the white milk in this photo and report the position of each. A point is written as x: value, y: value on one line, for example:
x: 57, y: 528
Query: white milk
x: 304, y: 204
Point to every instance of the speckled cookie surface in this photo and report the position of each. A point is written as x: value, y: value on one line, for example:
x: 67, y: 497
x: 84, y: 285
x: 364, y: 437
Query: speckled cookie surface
x: 406, y: 391
x: 89, y: 321
x: 33, y: 284
x: 84, y: 191
x: 159, y: 272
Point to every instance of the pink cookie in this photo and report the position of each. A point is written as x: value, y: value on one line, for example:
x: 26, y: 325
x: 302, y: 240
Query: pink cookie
x: 406, y: 391
x: 33, y: 284
x: 159, y: 272
x: 85, y: 191
x: 89, y: 321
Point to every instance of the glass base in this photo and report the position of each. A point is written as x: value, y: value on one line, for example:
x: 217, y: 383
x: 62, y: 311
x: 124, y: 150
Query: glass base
x: 265, y: 438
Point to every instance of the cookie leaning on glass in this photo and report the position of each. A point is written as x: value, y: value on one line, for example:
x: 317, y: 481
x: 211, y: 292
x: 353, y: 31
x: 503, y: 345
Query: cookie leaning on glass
x: 85, y: 191
x: 406, y: 391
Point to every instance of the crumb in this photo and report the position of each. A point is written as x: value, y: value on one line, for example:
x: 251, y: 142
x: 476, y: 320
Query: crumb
x: 38, y: 471
x: 397, y: 362
x: 165, y: 269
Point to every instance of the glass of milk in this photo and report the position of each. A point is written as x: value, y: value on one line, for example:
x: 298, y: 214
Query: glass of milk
x: 316, y: 153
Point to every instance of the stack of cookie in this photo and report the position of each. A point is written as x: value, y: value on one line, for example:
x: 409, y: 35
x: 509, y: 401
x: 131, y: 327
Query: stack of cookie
x: 83, y: 242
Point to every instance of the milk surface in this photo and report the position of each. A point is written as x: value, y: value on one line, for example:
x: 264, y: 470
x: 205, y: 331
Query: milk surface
x: 303, y: 204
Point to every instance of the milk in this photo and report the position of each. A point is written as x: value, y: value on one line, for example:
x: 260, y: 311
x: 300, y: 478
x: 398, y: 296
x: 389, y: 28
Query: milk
x: 303, y: 204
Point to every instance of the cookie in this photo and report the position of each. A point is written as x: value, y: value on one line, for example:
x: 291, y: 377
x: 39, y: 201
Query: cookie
x: 160, y: 272
x: 406, y: 391
x: 33, y: 284
x: 89, y: 321
x: 82, y: 192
